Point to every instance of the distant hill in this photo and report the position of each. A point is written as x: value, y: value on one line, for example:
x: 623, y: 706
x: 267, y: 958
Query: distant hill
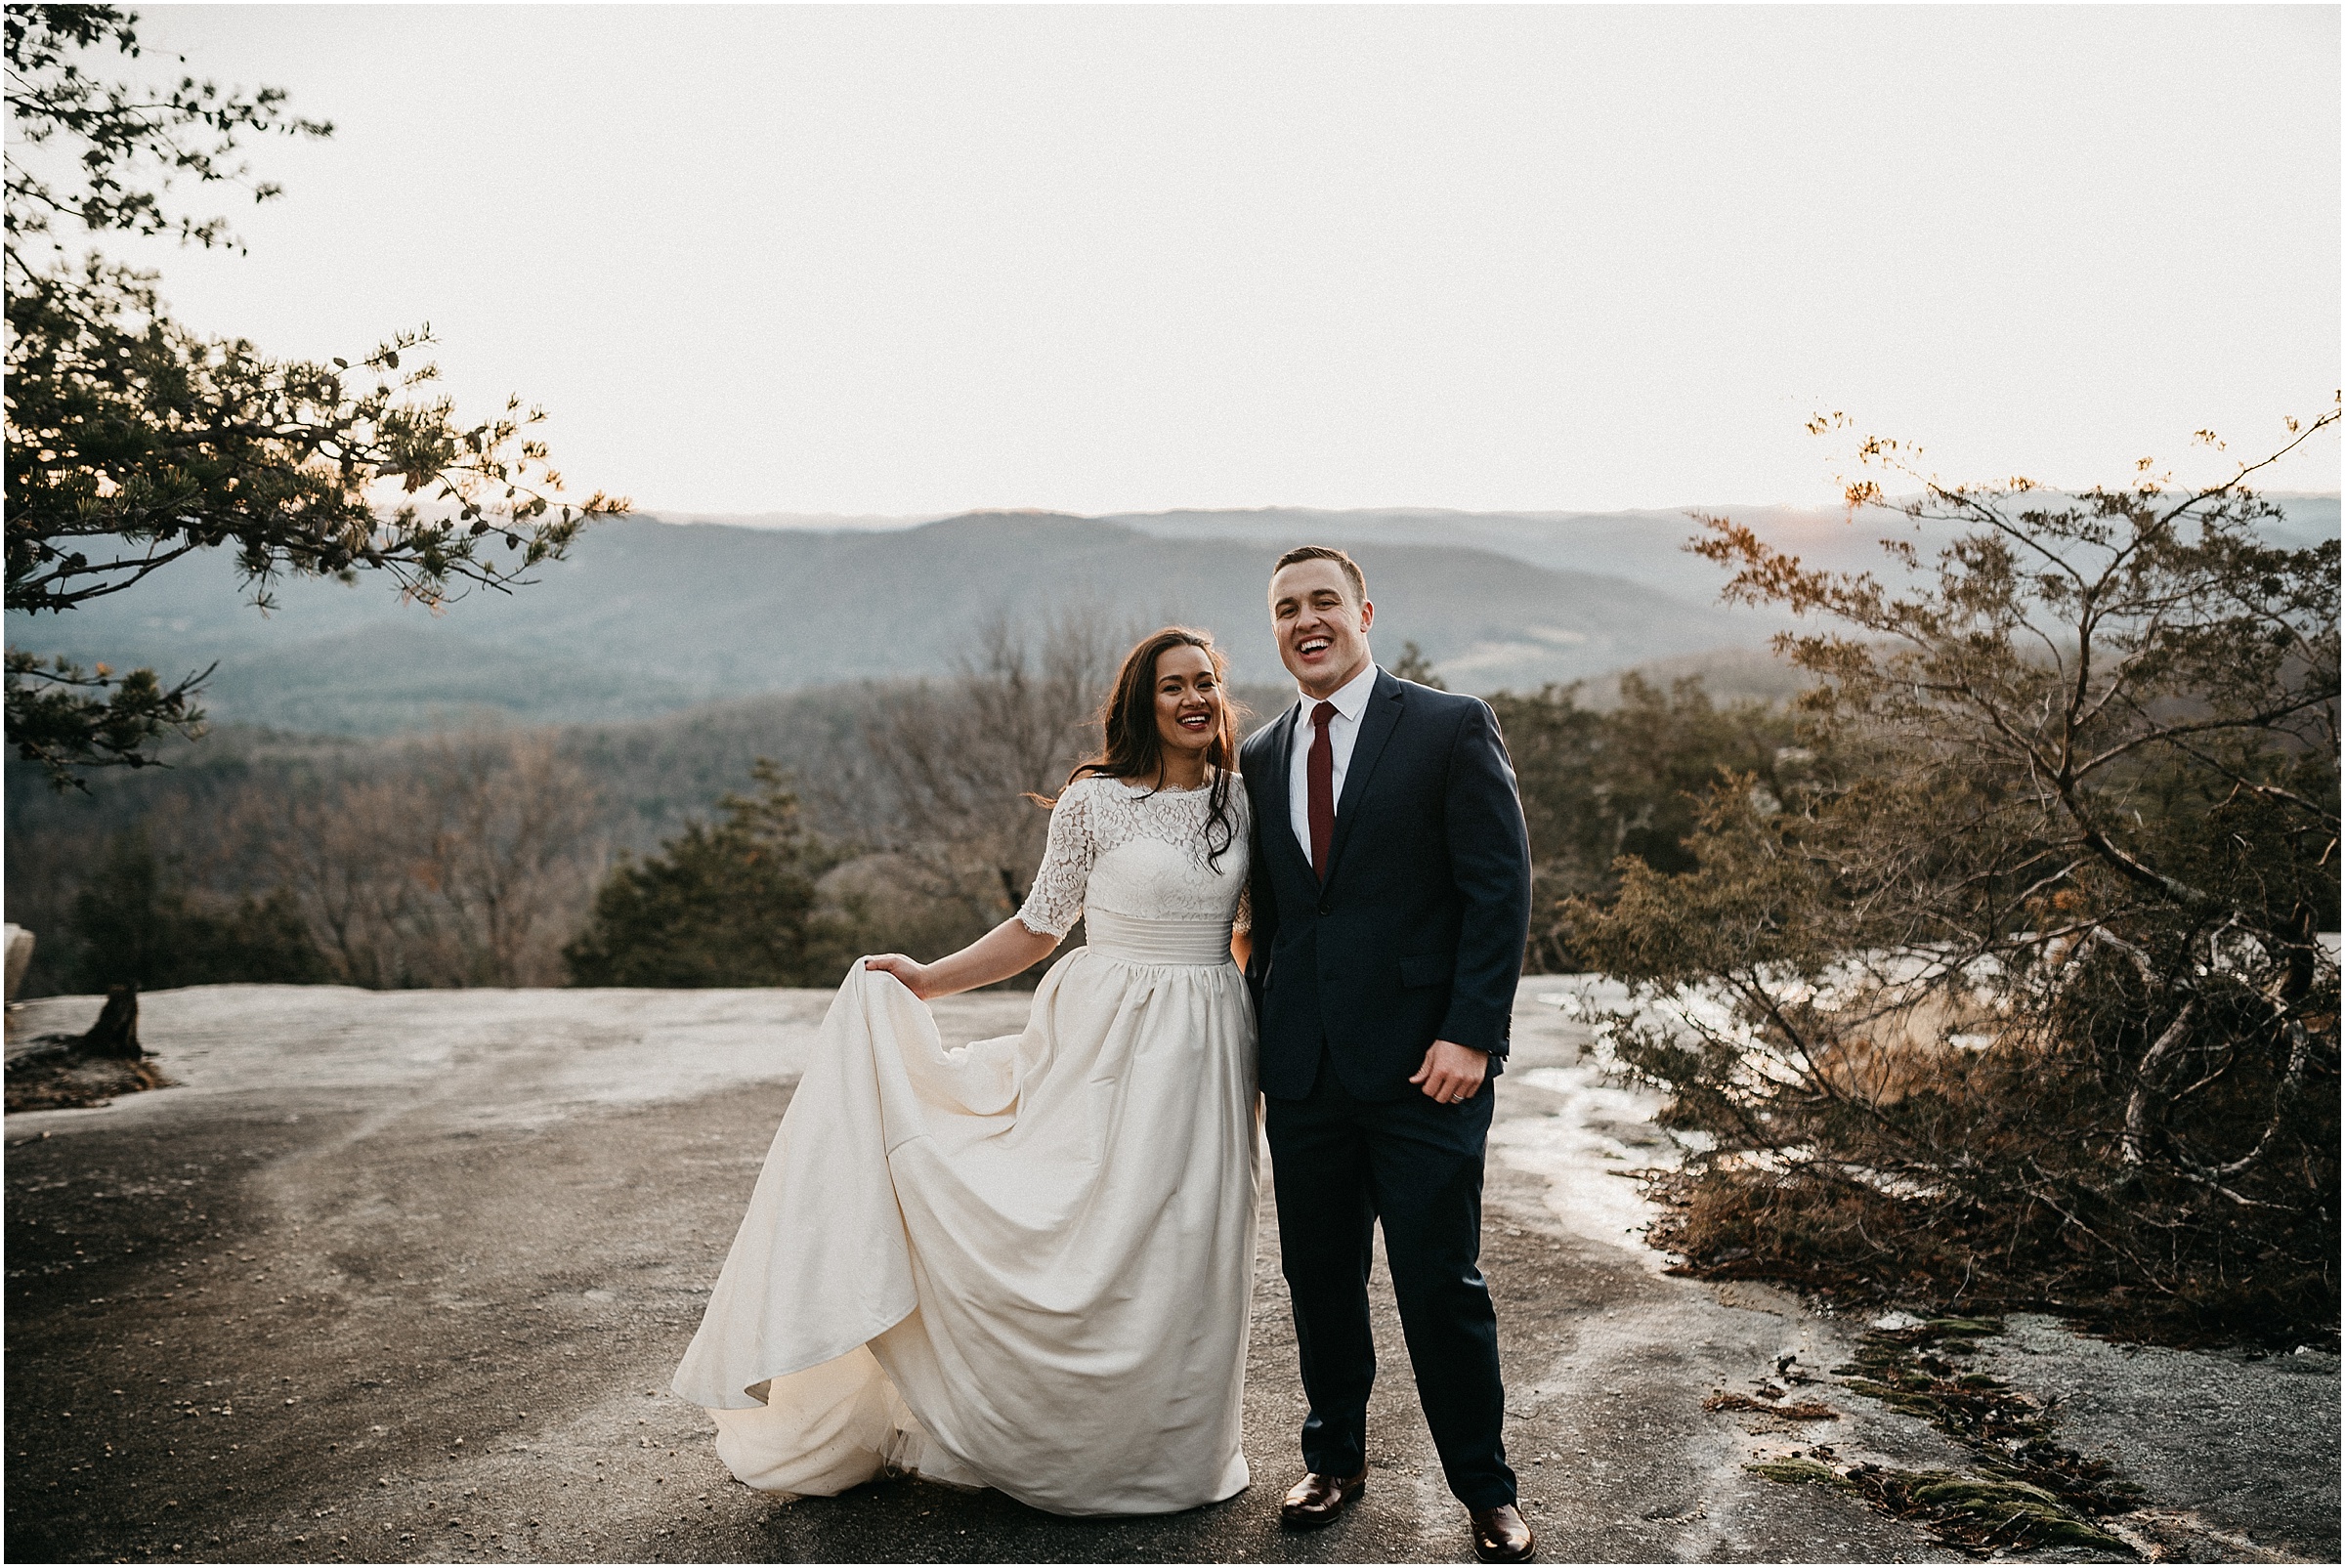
x: 1647, y: 547
x: 652, y: 617
x: 1643, y: 547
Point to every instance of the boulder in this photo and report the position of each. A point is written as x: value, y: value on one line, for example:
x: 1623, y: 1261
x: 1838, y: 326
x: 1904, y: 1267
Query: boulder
x: 20, y: 956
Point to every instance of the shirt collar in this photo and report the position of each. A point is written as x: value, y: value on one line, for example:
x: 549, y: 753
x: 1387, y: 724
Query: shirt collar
x: 1350, y: 699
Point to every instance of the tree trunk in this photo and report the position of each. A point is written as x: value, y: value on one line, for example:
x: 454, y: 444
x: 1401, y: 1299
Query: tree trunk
x: 116, y: 1031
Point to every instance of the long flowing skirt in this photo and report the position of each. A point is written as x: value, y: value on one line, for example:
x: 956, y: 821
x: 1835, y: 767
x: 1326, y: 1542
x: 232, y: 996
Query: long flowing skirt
x: 1022, y: 1263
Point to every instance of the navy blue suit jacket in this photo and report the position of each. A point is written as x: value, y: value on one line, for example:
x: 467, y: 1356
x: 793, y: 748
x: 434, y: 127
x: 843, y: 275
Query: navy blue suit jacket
x: 1416, y: 934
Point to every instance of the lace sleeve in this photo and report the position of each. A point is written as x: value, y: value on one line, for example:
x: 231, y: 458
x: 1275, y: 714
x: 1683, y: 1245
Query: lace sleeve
x: 1055, y: 902
x: 1243, y: 921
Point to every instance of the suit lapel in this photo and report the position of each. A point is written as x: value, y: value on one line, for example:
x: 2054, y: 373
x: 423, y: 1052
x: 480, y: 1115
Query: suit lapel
x: 1280, y: 829
x: 1377, y: 723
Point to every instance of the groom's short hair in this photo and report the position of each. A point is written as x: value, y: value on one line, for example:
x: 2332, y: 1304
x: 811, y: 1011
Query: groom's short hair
x: 1327, y: 552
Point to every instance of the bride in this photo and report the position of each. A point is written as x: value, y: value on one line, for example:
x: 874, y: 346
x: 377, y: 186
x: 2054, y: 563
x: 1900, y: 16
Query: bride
x: 1026, y: 1262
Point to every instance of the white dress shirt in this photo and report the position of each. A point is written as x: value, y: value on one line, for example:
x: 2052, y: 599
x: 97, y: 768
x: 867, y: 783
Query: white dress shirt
x: 1342, y: 734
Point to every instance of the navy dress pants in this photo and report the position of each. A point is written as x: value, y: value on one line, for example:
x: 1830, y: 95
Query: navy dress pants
x: 1340, y: 1165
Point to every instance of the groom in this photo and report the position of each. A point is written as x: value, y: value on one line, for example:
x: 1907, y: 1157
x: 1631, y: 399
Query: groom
x: 1391, y: 896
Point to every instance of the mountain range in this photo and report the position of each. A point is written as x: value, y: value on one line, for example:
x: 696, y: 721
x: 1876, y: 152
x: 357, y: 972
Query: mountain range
x: 648, y: 615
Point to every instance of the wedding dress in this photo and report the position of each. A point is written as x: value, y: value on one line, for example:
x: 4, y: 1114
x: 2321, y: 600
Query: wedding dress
x: 1025, y: 1262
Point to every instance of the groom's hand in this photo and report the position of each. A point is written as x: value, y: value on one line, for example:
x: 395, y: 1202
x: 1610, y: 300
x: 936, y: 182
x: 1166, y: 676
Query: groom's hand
x: 1452, y: 1072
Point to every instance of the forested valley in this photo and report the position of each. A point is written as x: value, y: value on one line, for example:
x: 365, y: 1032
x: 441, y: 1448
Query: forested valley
x: 761, y: 841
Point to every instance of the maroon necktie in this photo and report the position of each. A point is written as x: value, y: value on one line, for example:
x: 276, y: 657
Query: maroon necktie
x: 1319, y: 769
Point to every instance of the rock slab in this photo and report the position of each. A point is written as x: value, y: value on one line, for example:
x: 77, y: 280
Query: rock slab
x: 401, y: 1275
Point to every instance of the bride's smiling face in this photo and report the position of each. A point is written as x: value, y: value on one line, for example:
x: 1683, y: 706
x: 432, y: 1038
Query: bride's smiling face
x: 1188, y: 698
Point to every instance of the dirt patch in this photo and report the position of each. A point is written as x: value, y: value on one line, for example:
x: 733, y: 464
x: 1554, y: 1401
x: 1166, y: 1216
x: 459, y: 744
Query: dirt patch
x: 57, y: 1073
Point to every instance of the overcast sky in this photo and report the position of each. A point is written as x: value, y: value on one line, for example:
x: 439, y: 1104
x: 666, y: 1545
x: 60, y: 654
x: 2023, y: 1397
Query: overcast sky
x: 914, y: 260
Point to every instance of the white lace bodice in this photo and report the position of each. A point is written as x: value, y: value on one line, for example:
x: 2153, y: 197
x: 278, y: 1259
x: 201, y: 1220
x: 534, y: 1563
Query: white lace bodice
x: 1139, y: 853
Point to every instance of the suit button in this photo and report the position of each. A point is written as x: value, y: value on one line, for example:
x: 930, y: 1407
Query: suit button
x: 1324, y: 909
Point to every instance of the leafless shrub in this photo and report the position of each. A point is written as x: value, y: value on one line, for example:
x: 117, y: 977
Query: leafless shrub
x: 467, y: 865
x: 952, y: 762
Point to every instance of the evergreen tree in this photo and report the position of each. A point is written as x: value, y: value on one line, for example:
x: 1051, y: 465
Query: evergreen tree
x: 731, y: 903
x: 137, y: 923
x: 133, y: 442
x: 1598, y: 786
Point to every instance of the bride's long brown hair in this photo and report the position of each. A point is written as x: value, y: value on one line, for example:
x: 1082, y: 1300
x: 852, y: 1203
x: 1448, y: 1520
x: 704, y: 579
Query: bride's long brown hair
x: 1132, y: 749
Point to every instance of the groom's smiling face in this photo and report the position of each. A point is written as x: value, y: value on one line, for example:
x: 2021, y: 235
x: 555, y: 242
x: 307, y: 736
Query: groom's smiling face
x: 1322, y: 627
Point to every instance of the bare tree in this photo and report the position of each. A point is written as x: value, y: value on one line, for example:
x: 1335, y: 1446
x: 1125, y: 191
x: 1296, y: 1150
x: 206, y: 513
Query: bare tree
x: 342, y: 853
x: 2025, y: 981
x: 468, y: 866
x: 953, y: 763
x: 509, y: 854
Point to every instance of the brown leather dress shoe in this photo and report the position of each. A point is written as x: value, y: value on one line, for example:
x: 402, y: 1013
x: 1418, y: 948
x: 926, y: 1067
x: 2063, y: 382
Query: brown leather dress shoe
x: 1318, y: 1499
x: 1501, y: 1534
